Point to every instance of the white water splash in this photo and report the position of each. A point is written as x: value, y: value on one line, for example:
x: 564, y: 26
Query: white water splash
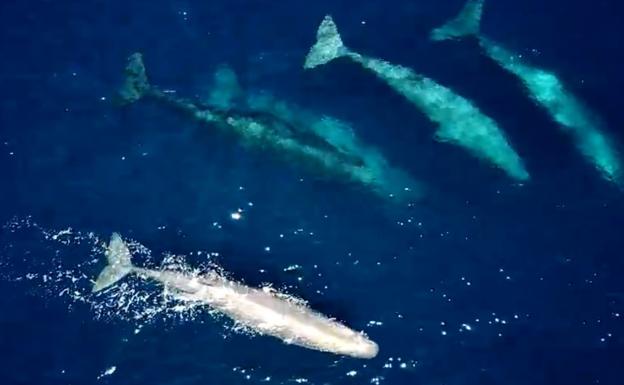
x: 107, y: 372
x: 48, y: 253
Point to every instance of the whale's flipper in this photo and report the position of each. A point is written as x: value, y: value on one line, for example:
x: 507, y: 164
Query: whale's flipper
x: 328, y: 45
x: 136, y: 83
x: 466, y: 23
x: 119, y: 264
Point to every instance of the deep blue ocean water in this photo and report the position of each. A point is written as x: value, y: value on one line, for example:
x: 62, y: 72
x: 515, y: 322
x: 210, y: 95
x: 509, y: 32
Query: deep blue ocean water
x: 480, y: 282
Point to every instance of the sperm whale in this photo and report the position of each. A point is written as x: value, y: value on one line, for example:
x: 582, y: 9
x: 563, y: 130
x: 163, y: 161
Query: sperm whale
x: 262, y: 310
x: 546, y: 89
x: 459, y: 120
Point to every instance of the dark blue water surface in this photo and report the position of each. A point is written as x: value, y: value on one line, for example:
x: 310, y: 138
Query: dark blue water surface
x: 481, y: 282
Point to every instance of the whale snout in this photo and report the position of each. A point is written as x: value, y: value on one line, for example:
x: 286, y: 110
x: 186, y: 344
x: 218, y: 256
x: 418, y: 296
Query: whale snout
x: 369, y: 350
x: 364, y: 348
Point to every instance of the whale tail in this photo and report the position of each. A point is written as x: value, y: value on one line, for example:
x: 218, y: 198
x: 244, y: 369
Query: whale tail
x: 119, y: 264
x: 466, y: 23
x: 136, y: 83
x: 328, y: 45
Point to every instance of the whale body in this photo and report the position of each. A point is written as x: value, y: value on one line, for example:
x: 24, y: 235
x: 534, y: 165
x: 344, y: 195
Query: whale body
x: 545, y: 89
x: 323, y: 145
x: 459, y: 121
x: 262, y: 310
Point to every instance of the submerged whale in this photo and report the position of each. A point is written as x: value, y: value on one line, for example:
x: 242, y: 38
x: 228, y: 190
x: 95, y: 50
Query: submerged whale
x: 324, y: 145
x: 262, y: 310
x: 546, y: 89
x: 459, y: 120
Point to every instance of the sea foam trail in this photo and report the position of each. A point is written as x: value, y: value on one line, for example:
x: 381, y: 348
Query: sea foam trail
x: 60, y: 265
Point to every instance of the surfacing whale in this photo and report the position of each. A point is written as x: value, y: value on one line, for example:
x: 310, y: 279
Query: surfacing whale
x: 262, y: 310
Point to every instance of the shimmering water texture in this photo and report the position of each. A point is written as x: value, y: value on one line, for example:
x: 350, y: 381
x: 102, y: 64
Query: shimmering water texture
x: 56, y: 279
x: 547, y: 90
x: 321, y: 144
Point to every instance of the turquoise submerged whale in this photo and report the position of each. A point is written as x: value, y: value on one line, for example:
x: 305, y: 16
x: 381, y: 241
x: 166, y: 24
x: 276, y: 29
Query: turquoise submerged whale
x: 321, y: 145
x: 459, y: 121
x: 546, y: 89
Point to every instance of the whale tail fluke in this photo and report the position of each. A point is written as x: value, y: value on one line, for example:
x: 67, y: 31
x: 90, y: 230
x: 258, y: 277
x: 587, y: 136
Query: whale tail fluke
x: 466, y: 23
x: 119, y: 263
x: 328, y: 45
x: 136, y: 83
